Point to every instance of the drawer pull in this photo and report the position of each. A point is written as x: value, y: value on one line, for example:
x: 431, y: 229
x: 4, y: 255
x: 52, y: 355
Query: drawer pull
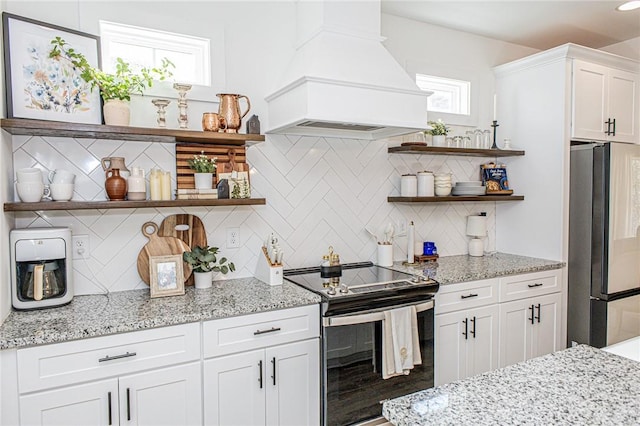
x: 111, y: 358
x: 271, y: 330
x: 468, y: 295
x: 535, y: 285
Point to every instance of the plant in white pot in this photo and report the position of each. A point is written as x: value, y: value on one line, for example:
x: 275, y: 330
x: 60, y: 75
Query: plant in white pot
x: 438, y: 132
x: 203, y: 169
x: 205, y: 262
x: 115, y: 89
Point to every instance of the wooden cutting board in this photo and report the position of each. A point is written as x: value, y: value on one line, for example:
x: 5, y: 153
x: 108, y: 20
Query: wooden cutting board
x: 186, y: 227
x: 160, y: 246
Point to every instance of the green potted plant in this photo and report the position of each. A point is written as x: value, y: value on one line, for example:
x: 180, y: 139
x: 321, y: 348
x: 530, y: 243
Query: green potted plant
x: 438, y: 132
x: 205, y: 262
x: 203, y: 169
x: 115, y: 89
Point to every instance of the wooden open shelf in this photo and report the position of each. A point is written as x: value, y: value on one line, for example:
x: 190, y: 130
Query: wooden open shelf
x: 103, y: 205
x: 453, y: 198
x: 443, y: 150
x: 24, y: 126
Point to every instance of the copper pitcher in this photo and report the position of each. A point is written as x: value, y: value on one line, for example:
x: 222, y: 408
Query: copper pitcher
x: 230, y: 110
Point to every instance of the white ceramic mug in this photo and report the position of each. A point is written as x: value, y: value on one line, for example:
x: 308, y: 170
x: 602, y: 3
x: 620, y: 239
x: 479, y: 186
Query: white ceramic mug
x: 61, y: 191
x: 30, y: 174
x: 30, y: 192
x: 61, y: 176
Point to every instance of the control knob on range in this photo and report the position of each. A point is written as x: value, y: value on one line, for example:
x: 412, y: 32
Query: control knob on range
x: 331, y: 291
x: 415, y: 279
x: 344, y: 289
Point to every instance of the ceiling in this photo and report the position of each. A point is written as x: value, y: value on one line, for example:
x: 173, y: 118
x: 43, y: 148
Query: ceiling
x: 537, y: 24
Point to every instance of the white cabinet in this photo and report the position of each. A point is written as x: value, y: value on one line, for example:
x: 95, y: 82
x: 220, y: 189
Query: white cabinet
x: 150, y: 377
x: 605, y: 103
x: 264, y: 370
x: 530, y: 316
x: 466, y: 330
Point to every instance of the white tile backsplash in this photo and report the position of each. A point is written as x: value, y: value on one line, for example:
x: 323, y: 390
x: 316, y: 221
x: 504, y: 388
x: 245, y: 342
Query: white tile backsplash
x: 319, y: 192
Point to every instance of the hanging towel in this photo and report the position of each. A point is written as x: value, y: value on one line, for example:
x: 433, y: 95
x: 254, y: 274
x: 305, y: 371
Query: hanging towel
x: 400, y: 342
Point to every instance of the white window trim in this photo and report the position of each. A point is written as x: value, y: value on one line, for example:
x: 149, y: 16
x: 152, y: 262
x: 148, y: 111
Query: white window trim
x: 217, y: 73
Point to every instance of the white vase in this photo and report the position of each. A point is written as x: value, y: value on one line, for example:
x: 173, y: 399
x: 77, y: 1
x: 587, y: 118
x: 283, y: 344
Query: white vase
x: 203, y: 279
x: 203, y: 180
x: 439, y: 140
x: 116, y: 112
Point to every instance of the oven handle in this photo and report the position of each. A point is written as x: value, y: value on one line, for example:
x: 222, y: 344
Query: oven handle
x: 371, y: 316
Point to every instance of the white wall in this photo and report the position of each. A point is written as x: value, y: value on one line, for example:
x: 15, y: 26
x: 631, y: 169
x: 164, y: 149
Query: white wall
x: 319, y: 192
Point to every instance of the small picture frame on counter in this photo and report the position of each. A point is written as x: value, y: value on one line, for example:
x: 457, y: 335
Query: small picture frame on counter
x: 166, y: 276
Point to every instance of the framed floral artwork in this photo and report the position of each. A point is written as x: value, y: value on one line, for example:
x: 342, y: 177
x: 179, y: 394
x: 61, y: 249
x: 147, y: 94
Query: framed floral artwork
x: 41, y: 87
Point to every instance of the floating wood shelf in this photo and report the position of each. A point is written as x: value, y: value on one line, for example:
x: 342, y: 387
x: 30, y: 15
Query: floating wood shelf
x: 454, y: 198
x: 103, y: 205
x: 24, y: 126
x: 443, y: 150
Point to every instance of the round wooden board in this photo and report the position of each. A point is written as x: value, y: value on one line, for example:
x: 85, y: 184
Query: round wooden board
x: 160, y: 246
x: 186, y: 227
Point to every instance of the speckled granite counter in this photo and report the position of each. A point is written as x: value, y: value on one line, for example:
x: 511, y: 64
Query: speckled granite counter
x: 456, y: 269
x: 576, y: 386
x: 97, y: 315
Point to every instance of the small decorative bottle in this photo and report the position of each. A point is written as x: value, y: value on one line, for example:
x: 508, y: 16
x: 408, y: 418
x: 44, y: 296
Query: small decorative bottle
x: 115, y: 185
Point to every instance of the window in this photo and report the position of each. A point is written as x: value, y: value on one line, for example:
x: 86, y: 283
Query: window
x: 449, y: 95
x: 146, y: 47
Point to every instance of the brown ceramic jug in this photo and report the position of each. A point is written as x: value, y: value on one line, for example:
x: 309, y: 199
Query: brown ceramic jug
x: 229, y: 110
x: 115, y: 185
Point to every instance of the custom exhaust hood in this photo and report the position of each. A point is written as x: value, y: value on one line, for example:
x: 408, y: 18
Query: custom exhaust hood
x: 342, y: 82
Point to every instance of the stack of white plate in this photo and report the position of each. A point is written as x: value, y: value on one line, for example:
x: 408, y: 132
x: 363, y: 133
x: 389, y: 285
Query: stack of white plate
x: 468, y: 188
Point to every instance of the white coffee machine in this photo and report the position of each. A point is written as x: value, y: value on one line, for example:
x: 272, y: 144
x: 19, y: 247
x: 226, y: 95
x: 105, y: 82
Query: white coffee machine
x: 41, y: 269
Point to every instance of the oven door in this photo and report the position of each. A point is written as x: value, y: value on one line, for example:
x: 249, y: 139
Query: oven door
x: 353, y: 383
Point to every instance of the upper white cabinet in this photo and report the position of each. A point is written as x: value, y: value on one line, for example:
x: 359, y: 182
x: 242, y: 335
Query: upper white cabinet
x: 605, y: 103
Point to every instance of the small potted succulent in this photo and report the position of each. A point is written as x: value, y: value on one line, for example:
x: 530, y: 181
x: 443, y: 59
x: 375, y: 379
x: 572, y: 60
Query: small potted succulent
x: 115, y: 89
x: 203, y: 169
x: 205, y: 262
x: 438, y: 132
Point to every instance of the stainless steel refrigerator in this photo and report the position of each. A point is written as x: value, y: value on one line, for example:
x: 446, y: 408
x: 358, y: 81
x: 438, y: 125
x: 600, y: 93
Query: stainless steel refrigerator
x: 604, y: 244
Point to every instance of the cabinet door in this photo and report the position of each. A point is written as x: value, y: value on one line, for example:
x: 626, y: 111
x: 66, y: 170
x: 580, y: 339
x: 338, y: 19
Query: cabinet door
x: 545, y: 336
x: 450, y: 347
x: 624, y: 102
x: 234, y: 389
x: 168, y: 396
x: 92, y: 404
x: 293, y: 384
x: 515, y: 331
x: 482, y: 351
x: 589, y: 101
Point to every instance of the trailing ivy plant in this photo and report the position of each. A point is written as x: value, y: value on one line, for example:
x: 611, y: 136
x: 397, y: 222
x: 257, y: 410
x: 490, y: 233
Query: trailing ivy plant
x: 112, y: 86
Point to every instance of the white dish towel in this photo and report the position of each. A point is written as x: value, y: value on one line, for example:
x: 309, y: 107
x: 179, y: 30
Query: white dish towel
x: 400, y: 342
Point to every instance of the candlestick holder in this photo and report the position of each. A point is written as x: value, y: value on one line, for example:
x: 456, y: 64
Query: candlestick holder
x: 182, y: 89
x: 495, y: 128
x: 161, y: 104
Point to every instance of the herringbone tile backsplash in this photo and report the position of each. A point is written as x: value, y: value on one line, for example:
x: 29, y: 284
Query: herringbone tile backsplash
x: 319, y: 192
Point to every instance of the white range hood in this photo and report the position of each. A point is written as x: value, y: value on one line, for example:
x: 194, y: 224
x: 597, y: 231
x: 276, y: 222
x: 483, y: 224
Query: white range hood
x: 342, y: 82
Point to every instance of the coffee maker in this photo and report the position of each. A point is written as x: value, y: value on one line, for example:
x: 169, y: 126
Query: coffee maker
x: 41, y: 269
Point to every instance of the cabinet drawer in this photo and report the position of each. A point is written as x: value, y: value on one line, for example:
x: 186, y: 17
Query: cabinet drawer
x: 248, y: 332
x: 535, y: 284
x: 467, y: 295
x: 67, y: 363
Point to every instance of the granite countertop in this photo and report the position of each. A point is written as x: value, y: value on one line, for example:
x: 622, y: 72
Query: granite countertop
x: 118, y: 312
x: 463, y: 268
x: 576, y: 386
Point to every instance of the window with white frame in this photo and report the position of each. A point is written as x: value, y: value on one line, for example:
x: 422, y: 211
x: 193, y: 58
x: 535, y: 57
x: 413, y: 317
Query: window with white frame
x: 449, y: 95
x: 144, y: 47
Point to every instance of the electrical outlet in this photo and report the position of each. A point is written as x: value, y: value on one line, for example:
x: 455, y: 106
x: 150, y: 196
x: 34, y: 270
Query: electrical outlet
x: 80, y: 246
x: 233, y: 237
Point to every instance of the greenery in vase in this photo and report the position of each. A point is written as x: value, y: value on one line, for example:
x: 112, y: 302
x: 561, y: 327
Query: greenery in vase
x: 437, y: 128
x: 204, y: 259
x: 200, y: 163
x: 112, y: 86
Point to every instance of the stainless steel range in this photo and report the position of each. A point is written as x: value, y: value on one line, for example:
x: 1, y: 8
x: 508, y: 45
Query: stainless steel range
x: 355, y: 297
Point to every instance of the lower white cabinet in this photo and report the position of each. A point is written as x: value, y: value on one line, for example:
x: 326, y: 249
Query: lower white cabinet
x: 274, y: 386
x: 529, y: 328
x: 466, y: 343
x: 168, y: 396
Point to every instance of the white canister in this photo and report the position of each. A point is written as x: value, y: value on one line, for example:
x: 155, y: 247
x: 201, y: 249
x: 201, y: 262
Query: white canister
x: 408, y: 186
x: 425, y: 184
x: 136, y: 185
x: 385, y: 255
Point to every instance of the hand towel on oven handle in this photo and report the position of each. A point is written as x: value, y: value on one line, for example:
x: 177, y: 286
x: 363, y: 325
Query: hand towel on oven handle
x: 400, y: 342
